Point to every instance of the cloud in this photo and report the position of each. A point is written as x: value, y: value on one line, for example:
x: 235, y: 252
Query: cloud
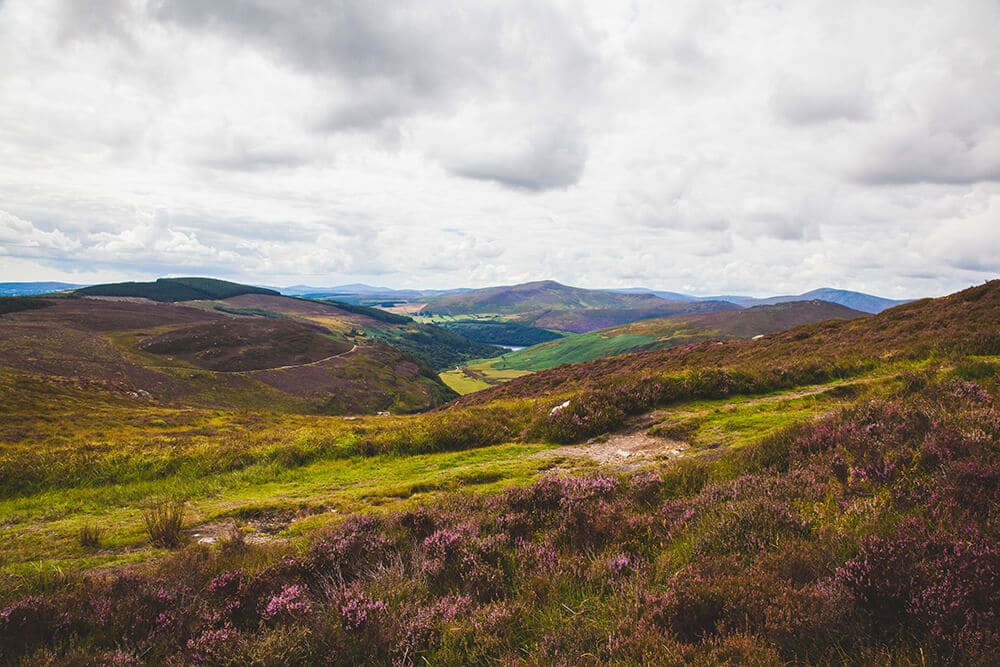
x: 21, y: 238
x: 822, y: 99
x: 442, y: 143
x: 551, y: 156
x: 926, y: 156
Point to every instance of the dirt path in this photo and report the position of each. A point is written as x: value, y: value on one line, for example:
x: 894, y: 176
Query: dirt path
x: 632, y: 446
x: 624, y: 450
x: 262, y: 370
x: 311, y: 363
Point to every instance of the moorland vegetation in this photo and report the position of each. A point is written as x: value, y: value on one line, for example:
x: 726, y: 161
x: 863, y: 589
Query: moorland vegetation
x: 830, y: 496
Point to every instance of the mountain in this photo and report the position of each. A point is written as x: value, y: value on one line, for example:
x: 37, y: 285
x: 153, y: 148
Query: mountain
x: 550, y: 305
x: 674, y: 330
x: 200, y: 341
x: 961, y: 323
x: 31, y: 289
x: 821, y: 495
x: 174, y: 289
x: 669, y: 296
x: 866, y: 303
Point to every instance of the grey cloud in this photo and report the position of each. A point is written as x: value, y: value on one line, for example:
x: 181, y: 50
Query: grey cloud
x: 96, y: 18
x: 802, y: 104
x: 925, y: 157
x: 554, y: 157
x: 257, y: 159
x: 420, y: 52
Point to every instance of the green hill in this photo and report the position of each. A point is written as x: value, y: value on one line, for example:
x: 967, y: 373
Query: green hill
x: 175, y: 289
x: 674, y: 330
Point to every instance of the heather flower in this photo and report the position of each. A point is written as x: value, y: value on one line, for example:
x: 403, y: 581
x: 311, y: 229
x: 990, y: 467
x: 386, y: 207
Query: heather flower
x: 288, y: 603
x: 358, y: 610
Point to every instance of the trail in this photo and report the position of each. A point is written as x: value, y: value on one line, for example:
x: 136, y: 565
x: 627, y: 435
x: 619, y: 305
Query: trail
x: 264, y: 370
x: 631, y: 446
x: 311, y: 363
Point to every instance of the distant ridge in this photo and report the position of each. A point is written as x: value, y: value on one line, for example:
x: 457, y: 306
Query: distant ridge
x: 176, y: 289
x: 866, y: 303
x: 32, y: 289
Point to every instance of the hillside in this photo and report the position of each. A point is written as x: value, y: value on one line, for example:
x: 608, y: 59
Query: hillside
x: 237, y: 352
x: 174, y: 289
x: 434, y: 346
x: 823, y: 495
x: 964, y: 322
x: 534, y: 296
x: 675, y: 330
x: 550, y: 305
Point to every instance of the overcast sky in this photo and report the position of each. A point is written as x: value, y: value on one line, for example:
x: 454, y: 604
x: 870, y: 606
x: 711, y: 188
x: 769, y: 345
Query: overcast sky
x: 748, y: 146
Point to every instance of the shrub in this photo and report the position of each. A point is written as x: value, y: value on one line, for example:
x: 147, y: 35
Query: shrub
x: 90, y: 536
x: 164, y: 523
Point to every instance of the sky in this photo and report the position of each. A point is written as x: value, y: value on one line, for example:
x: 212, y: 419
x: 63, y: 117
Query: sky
x: 738, y: 146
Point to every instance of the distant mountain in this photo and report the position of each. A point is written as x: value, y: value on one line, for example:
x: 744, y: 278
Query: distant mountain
x: 551, y: 305
x: 663, y: 332
x: 866, y: 303
x: 31, y: 289
x: 669, y: 296
x: 964, y: 322
x: 175, y: 289
x: 533, y: 296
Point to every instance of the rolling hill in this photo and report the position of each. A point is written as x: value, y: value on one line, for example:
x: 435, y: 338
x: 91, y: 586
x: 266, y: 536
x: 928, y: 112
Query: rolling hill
x: 550, y: 305
x: 674, y: 330
x: 866, y: 303
x: 175, y: 289
x: 964, y: 323
x: 197, y: 341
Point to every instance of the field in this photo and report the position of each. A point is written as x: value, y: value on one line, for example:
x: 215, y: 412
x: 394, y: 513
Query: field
x: 823, y: 495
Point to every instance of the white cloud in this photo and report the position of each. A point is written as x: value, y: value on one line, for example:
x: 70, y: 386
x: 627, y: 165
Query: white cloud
x: 699, y: 144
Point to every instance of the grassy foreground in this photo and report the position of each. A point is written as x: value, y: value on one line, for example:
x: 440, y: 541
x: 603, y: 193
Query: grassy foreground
x: 867, y: 535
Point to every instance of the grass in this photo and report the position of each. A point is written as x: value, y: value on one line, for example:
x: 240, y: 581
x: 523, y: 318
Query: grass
x: 572, y: 349
x: 293, y: 473
x: 42, y: 530
x: 461, y: 382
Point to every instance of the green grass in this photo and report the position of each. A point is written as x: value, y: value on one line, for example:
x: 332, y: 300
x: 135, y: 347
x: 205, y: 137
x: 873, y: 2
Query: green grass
x: 572, y: 349
x: 42, y: 531
x: 462, y: 383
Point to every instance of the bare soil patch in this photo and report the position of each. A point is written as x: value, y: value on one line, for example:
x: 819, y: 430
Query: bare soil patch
x: 624, y: 450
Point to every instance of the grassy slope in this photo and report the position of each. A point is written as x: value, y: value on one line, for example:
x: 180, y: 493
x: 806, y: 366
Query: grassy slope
x: 435, y: 347
x: 195, y: 355
x: 674, y: 330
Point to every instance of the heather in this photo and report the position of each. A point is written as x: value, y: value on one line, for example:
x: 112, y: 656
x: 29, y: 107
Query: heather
x: 867, y: 536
